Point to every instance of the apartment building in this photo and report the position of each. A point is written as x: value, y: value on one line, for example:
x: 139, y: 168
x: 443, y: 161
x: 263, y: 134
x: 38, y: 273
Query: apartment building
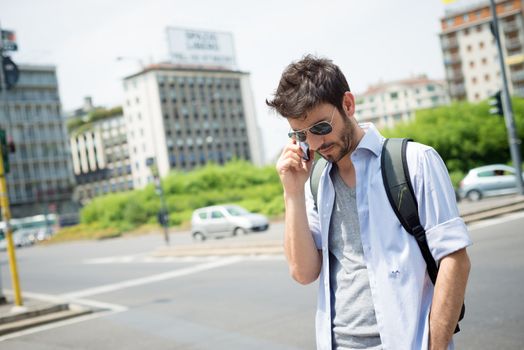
x: 41, y: 177
x: 470, y: 53
x: 100, y: 152
x: 385, y: 104
x: 183, y: 116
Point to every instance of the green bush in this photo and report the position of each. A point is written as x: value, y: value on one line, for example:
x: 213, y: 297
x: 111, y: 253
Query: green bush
x: 240, y: 182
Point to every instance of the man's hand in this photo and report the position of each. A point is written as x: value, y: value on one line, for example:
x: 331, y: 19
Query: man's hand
x: 292, y: 169
x: 303, y: 258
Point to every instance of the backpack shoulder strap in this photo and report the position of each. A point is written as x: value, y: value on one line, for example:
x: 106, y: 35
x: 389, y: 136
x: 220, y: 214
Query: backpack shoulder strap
x: 399, y: 190
x: 314, y: 178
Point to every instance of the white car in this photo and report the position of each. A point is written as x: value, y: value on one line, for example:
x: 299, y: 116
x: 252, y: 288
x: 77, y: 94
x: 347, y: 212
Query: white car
x: 489, y: 180
x: 225, y: 220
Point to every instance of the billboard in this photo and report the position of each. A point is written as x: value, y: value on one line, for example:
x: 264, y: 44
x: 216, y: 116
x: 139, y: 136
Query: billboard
x: 199, y: 47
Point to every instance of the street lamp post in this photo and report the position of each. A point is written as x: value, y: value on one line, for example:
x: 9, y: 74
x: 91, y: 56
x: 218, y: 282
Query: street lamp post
x: 127, y: 58
x: 163, y: 215
x: 513, y: 140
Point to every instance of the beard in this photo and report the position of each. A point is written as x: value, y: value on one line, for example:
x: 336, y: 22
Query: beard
x: 344, y: 146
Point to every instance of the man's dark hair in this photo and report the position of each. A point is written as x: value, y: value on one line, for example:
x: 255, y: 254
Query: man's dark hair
x: 306, y: 84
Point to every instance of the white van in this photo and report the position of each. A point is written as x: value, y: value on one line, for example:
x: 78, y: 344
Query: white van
x: 225, y: 220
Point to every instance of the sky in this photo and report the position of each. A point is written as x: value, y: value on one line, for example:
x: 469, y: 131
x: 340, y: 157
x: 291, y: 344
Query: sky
x: 371, y: 41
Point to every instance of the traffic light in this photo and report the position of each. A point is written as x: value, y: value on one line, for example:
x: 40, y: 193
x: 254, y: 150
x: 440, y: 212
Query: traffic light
x: 5, y: 151
x: 163, y: 218
x: 7, y: 147
x: 495, y: 101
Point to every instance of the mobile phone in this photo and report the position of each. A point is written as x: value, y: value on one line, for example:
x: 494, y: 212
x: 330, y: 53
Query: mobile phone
x: 305, y: 150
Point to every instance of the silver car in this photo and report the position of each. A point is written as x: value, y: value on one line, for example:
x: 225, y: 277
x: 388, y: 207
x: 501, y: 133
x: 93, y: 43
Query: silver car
x: 225, y: 220
x: 489, y: 180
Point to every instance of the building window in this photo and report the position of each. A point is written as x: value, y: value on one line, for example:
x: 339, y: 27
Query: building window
x: 471, y: 64
x: 468, y: 48
x: 393, y: 95
x: 481, y: 44
x: 466, y: 31
x: 486, y: 77
x: 474, y: 80
x: 465, y: 17
x: 484, y: 60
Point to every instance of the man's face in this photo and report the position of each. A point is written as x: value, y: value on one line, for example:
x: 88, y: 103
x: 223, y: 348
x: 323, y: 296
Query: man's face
x: 334, y: 145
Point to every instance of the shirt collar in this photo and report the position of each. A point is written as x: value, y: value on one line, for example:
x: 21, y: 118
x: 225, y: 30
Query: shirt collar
x: 372, y: 139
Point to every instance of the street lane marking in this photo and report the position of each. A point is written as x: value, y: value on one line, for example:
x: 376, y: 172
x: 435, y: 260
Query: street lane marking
x: 148, y: 259
x: 151, y: 279
x: 144, y: 258
x: 496, y: 221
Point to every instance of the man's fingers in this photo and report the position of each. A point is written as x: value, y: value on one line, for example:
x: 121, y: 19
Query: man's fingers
x: 290, y: 164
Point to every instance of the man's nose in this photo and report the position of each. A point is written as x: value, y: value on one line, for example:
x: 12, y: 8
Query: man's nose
x: 314, y: 141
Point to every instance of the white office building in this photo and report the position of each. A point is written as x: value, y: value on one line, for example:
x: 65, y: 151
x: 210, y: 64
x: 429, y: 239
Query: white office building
x: 100, y: 154
x: 183, y: 116
x: 385, y: 104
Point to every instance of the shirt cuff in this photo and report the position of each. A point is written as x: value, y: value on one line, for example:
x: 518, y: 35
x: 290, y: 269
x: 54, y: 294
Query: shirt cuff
x: 447, y: 238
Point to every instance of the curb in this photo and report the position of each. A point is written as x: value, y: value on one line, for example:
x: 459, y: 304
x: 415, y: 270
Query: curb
x: 275, y: 247
x: 40, y: 316
x: 493, y: 212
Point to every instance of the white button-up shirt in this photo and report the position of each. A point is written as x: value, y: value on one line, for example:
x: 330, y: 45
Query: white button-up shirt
x: 400, y: 286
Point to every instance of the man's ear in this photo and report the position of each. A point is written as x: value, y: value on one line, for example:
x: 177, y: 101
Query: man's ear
x: 349, y: 103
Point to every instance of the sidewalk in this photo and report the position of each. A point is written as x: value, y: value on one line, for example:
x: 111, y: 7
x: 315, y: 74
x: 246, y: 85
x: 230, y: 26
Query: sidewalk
x: 37, y: 312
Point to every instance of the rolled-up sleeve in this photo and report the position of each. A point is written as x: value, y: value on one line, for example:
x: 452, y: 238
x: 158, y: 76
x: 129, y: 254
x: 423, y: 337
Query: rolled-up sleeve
x: 312, y: 216
x: 446, y: 232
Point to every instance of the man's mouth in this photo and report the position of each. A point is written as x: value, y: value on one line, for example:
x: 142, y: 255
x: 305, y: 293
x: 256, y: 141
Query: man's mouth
x: 325, y: 148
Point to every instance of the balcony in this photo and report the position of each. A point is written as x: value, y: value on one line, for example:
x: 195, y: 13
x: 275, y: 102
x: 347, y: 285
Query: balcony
x: 517, y: 76
x: 512, y: 44
x: 452, y: 59
x: 448, y: 44
x: 455, y: 75
x: 509, y: 27
x: 519, y: 92
x: 457, y: 90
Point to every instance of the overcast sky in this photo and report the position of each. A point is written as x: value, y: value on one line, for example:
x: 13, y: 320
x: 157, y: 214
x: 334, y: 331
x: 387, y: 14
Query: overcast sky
x: 370, y: 40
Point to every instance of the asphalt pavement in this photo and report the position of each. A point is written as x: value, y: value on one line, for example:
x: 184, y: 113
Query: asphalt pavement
x: 38, y: 311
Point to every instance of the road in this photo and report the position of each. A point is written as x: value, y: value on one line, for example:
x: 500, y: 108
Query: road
x: 234, y: 302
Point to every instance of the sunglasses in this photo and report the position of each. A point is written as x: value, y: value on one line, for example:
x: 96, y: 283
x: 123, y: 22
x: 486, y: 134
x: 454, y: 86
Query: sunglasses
x: 320, y: 128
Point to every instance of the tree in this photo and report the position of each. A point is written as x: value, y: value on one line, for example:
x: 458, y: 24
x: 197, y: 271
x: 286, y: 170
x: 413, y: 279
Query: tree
x: 464, y: 134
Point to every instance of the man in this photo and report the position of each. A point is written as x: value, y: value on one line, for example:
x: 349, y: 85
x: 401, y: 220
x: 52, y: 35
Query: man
x: 374, y: 291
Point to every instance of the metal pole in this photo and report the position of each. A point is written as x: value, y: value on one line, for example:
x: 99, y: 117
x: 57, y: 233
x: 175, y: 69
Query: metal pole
x: 513, y: 140
x: 164, y: 211
x: 6, y: 215
x: 4, y: 194
x: 163, y: 205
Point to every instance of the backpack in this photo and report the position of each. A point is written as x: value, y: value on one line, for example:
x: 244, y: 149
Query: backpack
x: 401, y: 196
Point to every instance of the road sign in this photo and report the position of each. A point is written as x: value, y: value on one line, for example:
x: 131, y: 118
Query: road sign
x: 9, y: 41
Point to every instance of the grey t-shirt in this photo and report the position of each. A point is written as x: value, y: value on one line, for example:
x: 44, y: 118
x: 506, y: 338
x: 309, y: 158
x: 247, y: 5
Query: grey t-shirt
x: 353, y: 321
